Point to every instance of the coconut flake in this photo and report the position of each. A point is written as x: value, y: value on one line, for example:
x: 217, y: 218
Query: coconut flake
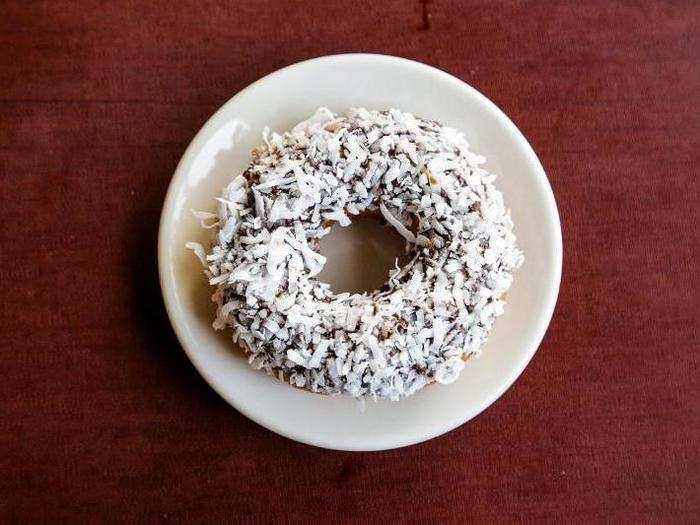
x: 277, y: 251
x: 449, y: 371
x: 397, y: 224
x: 199, y: 251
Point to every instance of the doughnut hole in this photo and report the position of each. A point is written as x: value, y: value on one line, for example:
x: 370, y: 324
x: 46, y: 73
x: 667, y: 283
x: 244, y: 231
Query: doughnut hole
x: 360, y: 256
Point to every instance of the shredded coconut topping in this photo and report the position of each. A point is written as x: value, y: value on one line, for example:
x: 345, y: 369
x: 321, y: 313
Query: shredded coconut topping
x: 431, y: 314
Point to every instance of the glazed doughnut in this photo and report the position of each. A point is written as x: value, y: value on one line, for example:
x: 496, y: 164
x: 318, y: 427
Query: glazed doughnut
x: 431, y: 314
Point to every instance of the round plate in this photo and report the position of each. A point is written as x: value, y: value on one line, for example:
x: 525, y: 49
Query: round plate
x: 221, y: 150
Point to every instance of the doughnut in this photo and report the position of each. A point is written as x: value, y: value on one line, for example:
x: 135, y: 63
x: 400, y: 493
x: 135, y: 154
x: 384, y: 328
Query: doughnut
x: 431, y: 314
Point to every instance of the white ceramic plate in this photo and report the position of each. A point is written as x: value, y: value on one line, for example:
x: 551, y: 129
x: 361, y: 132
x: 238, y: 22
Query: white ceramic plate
x: 221, y: 149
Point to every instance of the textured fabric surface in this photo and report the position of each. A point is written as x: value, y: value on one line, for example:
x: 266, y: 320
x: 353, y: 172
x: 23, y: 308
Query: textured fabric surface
x: 101, y: 414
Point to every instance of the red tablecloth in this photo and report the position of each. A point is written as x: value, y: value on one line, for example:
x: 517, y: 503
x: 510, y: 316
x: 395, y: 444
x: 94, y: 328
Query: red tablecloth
x: 101, y: 414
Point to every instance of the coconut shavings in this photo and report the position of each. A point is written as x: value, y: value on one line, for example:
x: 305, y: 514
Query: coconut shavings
x: 432, y: 313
